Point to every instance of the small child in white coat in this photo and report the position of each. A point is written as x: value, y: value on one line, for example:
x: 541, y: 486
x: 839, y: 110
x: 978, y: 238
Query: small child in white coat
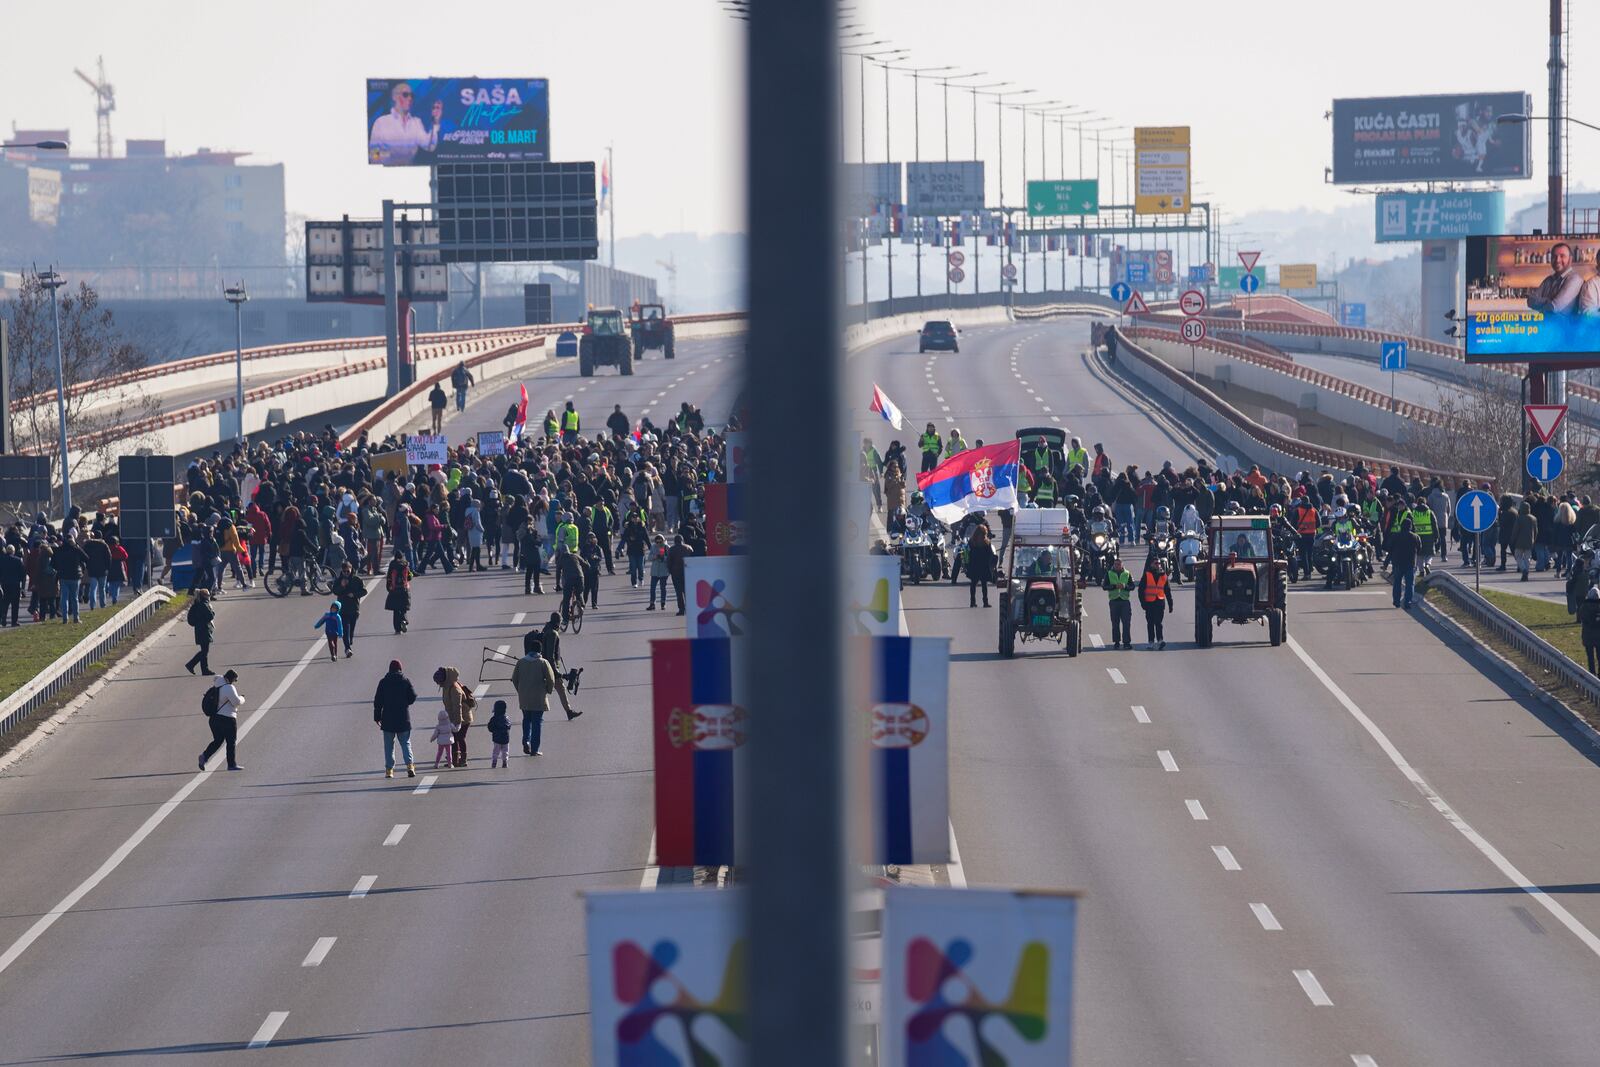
x: 443, y: 735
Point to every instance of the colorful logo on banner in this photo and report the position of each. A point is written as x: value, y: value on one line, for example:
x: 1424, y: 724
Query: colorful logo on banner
x: 667, y: 985
x: 717, y: 596
x: 908, y: 729
x: 699, y: 726
x: 977, y: 978
x: 725, y: 519
x: 873, y: 595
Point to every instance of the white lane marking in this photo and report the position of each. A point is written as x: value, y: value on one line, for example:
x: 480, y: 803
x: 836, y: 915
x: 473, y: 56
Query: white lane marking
x: 1097, y: 641
x: 148, y: 827
x: 944, y: 407
x: 1361, y: 1059
x: 1313, y: 988
x: 1116, y: 676
x: 1196, y: 812
x: 661, y: 394
x: 516, y: 620
x: 1047, y: 407
x: 425, y: 785
x: 268, y: 1029
x: 1481, y: 843
x: 1055, y: 418
x: 502, y: 649
x: 397, y: 833
x: 1140, y: 714
x: 1023, y: 381
x: 319, y: 952
x: 1265, y: 917
x: 364, y: 883
x: 652, y: 871
x: 958, y: 876
x: 482, y: 688
x: 1168, y: 764
x: 1030, y: 392
x: 1225, y: 857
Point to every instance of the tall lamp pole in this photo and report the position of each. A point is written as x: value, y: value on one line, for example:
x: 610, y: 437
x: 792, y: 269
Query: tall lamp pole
x: 983, y: 210
x: 237, y: 296
x: 53, y: 281
x: 916, y: 139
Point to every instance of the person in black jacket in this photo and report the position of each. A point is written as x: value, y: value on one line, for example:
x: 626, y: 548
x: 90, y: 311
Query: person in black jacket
x: 70, y: 562
x: 202, y: 617
x: 391, y: 710
x: 349, y: 589
x: 980, y: 565
x: 1403, y: 548
x: 12, y: 574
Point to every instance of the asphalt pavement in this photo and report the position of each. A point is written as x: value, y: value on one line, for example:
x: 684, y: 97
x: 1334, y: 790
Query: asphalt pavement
x: 1313, y: 854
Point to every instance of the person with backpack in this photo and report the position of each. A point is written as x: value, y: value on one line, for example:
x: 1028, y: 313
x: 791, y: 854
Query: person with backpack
x: 202, y: 618
x: 398, y: 584
x: 221, y: 704
x: 437, y: 402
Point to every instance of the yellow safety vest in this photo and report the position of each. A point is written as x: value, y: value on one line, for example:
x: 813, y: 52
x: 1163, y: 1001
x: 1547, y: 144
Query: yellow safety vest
x: 569, y: 421
x: 1077, y: 457
x: 1119, y: 582
x: 567, y: 535
x: 930, y: 442
x: 1422, y: 522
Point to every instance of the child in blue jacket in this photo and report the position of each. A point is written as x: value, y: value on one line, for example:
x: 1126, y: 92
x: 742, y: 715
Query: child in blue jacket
x: 332, y: 624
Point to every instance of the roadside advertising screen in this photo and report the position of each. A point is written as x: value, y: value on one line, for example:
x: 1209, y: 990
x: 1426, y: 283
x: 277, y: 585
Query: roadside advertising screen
x: 1452, y: 137
x: 416, y: 122
x: 1532, y: 298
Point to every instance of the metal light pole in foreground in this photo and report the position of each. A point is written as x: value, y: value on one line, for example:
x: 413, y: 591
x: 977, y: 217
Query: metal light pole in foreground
x: 53, y: 281
x: 237, y: 296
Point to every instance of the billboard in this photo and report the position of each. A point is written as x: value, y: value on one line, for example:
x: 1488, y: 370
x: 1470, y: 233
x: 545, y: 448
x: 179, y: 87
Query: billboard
x: 1297, y: 276
x: 44, y: 196
x: 344, y: 261
x: 414, y: 122
x: 1532, y: 298
x: 868, y: 187
x: 1160, y: 170
x: 944, y: 189
x: 1450, y: 137
x: 1440, y: 216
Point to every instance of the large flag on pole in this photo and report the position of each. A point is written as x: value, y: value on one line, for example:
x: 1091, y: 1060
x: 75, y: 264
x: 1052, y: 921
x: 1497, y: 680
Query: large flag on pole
x: 515, y: 435
x: 884, y: 406
x: 699, y: 727
x: 909, y: 679
x: 979, y: 479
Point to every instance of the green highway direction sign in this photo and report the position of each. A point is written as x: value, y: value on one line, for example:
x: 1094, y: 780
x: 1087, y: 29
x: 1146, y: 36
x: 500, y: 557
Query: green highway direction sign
x: 1228, y: 278
x: 1064, y: 198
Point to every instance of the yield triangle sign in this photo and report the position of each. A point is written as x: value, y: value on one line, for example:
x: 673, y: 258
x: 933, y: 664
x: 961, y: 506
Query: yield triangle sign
x: 1137, y: 306
x: 1544, y: 418
x: 1249, y: 260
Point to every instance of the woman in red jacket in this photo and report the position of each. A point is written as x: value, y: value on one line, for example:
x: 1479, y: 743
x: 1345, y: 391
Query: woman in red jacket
x: 260, y: 536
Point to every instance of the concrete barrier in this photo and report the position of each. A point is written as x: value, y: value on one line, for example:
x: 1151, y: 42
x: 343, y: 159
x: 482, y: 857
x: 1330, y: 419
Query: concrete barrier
x: 866, y: 333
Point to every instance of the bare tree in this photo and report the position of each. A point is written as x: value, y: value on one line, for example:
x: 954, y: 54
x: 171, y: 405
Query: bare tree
x: 1399, y: 313
x: 1480, y: 431
x: 92, y: 349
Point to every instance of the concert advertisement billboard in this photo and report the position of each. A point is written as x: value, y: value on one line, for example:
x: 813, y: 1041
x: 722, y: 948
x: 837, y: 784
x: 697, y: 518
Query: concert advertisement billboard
x: 1532, y: 298
x: 1450, y: 137
x: 417, y: 122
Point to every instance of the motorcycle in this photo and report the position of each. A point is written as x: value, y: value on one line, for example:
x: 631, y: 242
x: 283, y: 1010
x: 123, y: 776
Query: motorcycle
x: 921, y: 550
x: 1098, y: 548
x: 1344, y: 558
x: 1162, y: 546
x: 1191, y: 546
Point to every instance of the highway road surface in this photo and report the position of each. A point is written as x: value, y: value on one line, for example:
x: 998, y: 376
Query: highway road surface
x: 1315, y: 854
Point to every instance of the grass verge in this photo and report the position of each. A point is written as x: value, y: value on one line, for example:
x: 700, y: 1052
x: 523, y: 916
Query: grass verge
x: 29, y: 650
x: 1550, y: 621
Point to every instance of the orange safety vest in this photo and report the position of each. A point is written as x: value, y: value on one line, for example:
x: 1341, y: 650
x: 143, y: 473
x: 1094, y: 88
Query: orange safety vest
x: 1155, y: 588
x: 1307, y: 522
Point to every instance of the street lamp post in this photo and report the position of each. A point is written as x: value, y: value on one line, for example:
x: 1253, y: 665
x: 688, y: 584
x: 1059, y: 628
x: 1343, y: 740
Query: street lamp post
x: 916, y: 139
x: 237, y: 296
x: 53, y: 281
x: 1000, y: 137
x: 982, y: 211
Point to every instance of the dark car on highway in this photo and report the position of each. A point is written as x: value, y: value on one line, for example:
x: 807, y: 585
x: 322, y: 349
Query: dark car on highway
x: 939, y: 335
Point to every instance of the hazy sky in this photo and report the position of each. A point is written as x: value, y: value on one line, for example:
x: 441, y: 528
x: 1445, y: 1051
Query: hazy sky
x: 661, y: 78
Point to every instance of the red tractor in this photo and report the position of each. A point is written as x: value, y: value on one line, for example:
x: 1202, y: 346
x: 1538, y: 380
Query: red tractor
x: 651, y: 329
x: 1244, y: 577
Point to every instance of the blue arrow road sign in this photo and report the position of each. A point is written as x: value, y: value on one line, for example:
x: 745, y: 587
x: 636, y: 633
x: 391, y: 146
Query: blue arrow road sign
x: 1393, y: 355
x: 1121, y: 291
x: 1137, y: 272
x: 1546, y: 463
x: 1353, y: 314
x: 1197, y: 275
x: 1249, y: 283
x: 1477, y: 511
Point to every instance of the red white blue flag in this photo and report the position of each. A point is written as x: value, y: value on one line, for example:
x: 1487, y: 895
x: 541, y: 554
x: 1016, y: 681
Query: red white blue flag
x: 909, y: 729
x: 884, y: 406
x: 522, y: 420
x: 979, y: 479
x: 699, y: 728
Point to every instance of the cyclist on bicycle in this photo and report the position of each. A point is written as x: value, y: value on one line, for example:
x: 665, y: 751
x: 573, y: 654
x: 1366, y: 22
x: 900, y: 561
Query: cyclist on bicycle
x: 570, y: 568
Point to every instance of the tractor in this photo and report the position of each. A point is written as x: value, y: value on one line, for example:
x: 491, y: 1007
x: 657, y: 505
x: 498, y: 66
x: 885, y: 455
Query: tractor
x: 651, y: 329
x: 1040, y: 595
x: 604, y: 343
x: 1242, y: 578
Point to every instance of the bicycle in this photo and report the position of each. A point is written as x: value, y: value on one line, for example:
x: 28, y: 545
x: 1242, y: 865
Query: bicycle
x: 317, y: 579
x: 572, y: 614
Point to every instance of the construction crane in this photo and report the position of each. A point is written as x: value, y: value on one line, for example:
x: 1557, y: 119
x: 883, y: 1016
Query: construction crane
x: 105, y: 102
x: 671, y: 267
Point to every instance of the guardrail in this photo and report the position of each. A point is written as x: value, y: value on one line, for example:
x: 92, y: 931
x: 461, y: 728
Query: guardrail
x: 72, y: 663
x: 1224, y: 419
x: 1529, y: 644
x: 1319, y: 379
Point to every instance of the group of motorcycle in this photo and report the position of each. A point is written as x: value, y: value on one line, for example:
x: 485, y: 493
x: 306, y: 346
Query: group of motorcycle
x: 1344, y: 558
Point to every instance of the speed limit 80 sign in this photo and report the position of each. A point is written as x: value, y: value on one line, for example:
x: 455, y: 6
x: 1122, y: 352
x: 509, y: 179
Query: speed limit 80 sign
x: 1194, y: 330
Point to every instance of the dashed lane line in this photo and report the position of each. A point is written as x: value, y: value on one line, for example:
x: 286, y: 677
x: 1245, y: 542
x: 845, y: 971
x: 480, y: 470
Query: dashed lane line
x: 1313, y: 988
x: 1265, y: 917
x: 516, y: 620
x: 425, y: 785
x: 1197, y: 812
x: 396, y: 834
x: 1481, y: 843
x: 1225, y: 857
x: 1361, y: 1059
x: 1116, y: 676
x: 1139, y: 714
x: 1097, y: 641
x: 319, y: 952
x: 268, y: 1029
x: 362, y: 886
x: 1168, y: 764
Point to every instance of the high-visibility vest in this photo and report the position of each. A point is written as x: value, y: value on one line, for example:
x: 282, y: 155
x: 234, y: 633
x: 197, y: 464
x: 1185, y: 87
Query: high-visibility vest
x: 550, y: 427
x: 1101, y: 462
x: 1077, y: 457
x: 954, y: 446
x: 569, y: 421
x: 930, y: 442
x: 1369, y: 509
x: 1307, y: 522
x: 1155, y: 588
x: 1041, y: 458
x: 1398, y: 517
x: 1045, y: 494
x: 1422, y: 522
x: 1119, y: 582
x: 567, y: 536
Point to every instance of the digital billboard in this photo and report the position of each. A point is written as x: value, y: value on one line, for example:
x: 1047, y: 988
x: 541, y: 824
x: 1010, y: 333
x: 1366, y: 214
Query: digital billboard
x: 944, y: 189
x: 1451, y: 137
x: 1532, y: 298
x: 417, y: 122
x: 1440, y: 216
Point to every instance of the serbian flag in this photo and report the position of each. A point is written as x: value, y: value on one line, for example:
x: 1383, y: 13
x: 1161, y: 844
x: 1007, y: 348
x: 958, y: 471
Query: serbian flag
x: 699, y: 731
x: 522, y: 420
x: 979, y: 479
x: 884, y: 406
x: 909, y: 732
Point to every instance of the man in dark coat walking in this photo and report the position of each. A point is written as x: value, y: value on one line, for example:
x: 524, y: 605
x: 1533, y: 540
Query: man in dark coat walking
x: 391, y: 710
